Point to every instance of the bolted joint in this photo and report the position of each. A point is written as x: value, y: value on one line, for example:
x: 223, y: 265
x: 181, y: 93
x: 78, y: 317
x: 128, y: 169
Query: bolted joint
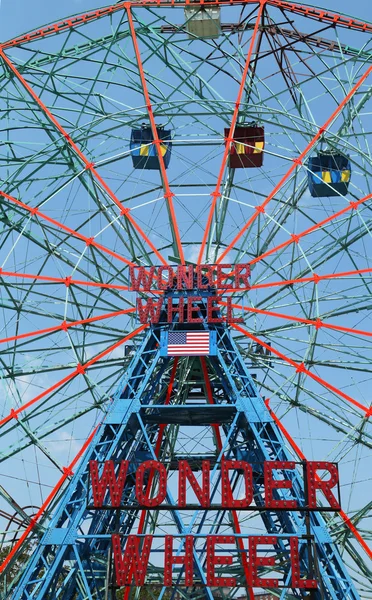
x: 64, y: 326
x: 80, y: 369
x: 318, y: 324
x: 13, y: 414
x: 316, y: 278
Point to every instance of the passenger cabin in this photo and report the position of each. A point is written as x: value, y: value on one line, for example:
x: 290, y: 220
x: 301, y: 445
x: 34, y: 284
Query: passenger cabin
x: 248, y: 145
x: 143, y: 150
x: 328, y: 175
x: 203, y: 21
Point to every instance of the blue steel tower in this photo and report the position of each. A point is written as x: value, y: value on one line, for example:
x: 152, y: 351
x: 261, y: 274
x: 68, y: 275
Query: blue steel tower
x: 158, y: 399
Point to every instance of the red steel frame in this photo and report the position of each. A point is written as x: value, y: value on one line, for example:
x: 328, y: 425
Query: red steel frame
x: 315, y: 278
x: 168, y: 195
x: 82, y: 19
x: 67, y: 325
x: 67, y: 281
x: 317, y: 323
x: 313, y: 13
x: 216, y: 194
x: 300, y: 368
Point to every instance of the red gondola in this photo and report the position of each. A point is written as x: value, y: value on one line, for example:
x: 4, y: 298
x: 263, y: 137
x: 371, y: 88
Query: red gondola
x: 248, y: 145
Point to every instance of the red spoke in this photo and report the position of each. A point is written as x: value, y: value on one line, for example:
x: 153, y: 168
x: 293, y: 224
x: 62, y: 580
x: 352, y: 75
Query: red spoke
x: 216, y: 194
x: 321, y: 15
x: 89, y: 166
x: 298, y: 162
x: 80, y: 370
x: 295, y: 238
x: 76, y: 234
x: 168, y: 195
x: 67, y: 281
x: 300, y: 368
x: 66, y: 325
x: 314, y: 279
x: 82, y: 19
x: 67, y: 472
x: 301, y: 455
x: 317, y: 323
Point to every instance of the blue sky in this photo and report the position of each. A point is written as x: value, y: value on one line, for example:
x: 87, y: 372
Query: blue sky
x: 18, y: 16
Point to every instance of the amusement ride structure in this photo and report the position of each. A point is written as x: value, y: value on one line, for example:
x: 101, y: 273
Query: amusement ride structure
x: 186, y: 289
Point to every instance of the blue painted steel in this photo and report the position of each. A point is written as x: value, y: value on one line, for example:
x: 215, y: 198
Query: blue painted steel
x: 69, y: 562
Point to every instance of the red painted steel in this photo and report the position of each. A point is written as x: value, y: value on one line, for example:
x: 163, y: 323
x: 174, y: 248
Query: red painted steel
x: 68, y: 471
x: 296, y: 163
x: 88, y: 241
x: 301, y: 455
x: 295, y: 238
x: 89, y: 17
x: 300, y: 368
x: 66, y: 325
x: 168, y: 195
x: 317, y: 323
x: 315, y: 278
x: 67, y: 281
x: 89, y: 166
x: 216, y: 194
x: 80, y: 370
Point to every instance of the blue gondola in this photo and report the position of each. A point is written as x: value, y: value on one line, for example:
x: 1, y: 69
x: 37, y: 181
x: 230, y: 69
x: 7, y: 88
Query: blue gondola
x: 329, y: 175
x: 144, y: 154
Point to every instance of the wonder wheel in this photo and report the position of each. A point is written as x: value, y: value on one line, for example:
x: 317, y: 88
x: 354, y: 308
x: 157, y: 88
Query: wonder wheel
x: 165, y: 133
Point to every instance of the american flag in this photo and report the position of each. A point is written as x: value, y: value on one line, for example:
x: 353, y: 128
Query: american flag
x: 188, y: 343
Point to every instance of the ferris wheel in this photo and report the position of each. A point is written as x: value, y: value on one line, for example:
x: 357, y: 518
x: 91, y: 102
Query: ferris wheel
x: 186, y: 133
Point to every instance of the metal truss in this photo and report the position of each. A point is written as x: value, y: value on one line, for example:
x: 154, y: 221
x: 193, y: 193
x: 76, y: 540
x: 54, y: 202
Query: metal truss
x: 74, y: 215
x: 72, y: 554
